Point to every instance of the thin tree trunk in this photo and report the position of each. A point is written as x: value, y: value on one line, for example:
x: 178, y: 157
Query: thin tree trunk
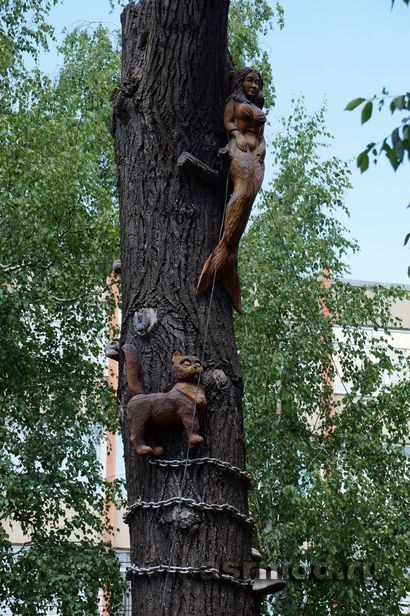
x: 174, y: 83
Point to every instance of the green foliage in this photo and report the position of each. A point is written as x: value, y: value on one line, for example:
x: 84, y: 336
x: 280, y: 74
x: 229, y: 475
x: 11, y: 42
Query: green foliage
x: 354, y: 103
x: 397, y: 145
x: 58, y: 241
x: 65, y: 576
x: 367, y: 111
x: 23, y: 30
x: 248, y: 21
x: 330, y: 476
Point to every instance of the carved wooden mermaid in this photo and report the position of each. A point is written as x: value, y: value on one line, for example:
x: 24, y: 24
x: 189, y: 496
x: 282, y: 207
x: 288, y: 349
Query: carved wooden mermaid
x: 164, y: 409
x: 244, y: 121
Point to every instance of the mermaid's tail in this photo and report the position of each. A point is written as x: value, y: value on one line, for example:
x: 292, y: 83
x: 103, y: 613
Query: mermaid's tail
x: 222, y: 265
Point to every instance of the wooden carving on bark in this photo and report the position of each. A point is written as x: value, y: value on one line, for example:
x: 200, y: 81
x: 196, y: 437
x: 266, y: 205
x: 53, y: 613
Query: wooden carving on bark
x: 180, y: 405
x: 244, y: 122
x: 188, y: 514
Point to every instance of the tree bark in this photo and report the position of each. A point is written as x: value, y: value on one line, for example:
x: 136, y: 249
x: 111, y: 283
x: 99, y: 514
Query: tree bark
x: 171, y: 98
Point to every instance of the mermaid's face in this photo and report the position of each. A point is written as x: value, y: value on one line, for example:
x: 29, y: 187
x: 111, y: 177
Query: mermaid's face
x: 251, y: 85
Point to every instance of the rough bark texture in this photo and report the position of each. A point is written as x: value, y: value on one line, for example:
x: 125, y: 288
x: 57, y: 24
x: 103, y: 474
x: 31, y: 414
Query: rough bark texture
x: 174, y: 84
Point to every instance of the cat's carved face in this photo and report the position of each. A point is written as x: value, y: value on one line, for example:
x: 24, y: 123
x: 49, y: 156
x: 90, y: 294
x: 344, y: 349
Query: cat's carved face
x: 186, y: 367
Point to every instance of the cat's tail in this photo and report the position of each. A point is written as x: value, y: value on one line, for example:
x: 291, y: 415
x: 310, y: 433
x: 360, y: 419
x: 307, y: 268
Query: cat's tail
x: 133, y: 369
x: 222, y: 265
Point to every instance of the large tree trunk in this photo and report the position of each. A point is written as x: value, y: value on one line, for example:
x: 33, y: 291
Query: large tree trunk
x: 174, y: 83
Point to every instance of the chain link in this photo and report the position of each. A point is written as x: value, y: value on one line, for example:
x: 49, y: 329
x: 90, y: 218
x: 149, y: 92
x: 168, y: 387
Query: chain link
x: 178, y: 500
x: 214, y: 573
x: 201, y: 461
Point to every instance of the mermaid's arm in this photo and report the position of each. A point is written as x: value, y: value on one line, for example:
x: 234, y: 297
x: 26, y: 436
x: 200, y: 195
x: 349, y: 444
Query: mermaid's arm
x: 261, y: 149
x: 229, y: 118
x: 231, y: 126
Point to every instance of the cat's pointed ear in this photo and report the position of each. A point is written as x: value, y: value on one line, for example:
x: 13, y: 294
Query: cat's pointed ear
x: 176, y: 357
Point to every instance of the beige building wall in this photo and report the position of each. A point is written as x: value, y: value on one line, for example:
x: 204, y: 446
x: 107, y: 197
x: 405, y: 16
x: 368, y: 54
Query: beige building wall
x: 114, y: 462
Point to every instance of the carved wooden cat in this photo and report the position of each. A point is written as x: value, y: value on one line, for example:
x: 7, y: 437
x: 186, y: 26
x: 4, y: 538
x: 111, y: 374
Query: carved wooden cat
x: 164, y: 409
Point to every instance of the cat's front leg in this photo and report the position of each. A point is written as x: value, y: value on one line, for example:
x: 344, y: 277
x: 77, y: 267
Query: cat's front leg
x: 191, y: 425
